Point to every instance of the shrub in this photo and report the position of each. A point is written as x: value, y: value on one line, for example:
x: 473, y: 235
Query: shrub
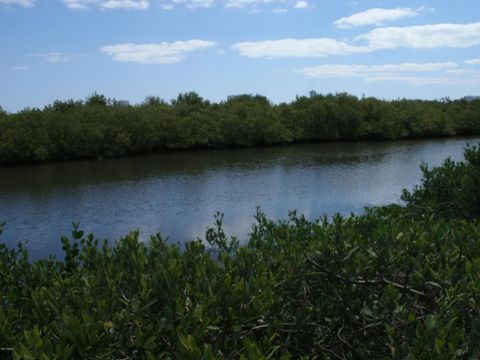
x: 451, y: 190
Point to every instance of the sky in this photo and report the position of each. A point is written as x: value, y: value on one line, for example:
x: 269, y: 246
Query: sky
x: 130, y: 49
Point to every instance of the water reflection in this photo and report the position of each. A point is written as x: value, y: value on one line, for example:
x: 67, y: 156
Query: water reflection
x: 177, y: 194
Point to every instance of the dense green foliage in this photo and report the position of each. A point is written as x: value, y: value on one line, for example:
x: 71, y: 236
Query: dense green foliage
x: 450, y: 191
x: 395, y: 282
x: 101, y: 127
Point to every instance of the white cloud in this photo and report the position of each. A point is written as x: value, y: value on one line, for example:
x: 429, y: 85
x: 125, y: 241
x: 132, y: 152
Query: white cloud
x: 55, y: 57
x: 107, y: 4
x: 274, y: 6
x: 161, y: 53
x: 416, y: 37
x: 375, y: 17
x: 296, y: 48
x: 447, y: 73
x: 23, y: 3
x: 461, y: 72
x: 473, y: 62
x: 251, y: 5
x: 246, y: 3
x: 79, y: 4
x: 301, y: 5
x: 341, y: 70
x: 424, y: 36
x: 21, y: 68
x: 193, y: 4
x: 279, y: 11
x: 429, y: 80
x: 125, y: 4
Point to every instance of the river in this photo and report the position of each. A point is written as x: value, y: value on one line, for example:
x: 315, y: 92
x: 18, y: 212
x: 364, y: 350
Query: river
x: 177, y: 194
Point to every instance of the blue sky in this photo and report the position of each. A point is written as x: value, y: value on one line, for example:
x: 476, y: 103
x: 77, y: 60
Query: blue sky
x: 129, y: 49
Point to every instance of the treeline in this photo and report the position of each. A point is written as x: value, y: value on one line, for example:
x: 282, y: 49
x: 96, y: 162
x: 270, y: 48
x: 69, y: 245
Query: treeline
x: 395, y: 282
x: 100, y: 127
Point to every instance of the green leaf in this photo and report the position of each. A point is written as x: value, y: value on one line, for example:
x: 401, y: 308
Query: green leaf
x: 430, y: 322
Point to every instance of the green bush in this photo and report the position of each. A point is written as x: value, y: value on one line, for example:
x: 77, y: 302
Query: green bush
x: 451, y: 190
x: 99, y: 127
x: 383, y: 284
x: 395, y: 282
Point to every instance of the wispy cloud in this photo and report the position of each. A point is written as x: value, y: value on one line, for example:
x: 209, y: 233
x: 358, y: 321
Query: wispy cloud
x: 192, y: 4
x: 473, y: 62
x: 342, y: 70
x: 429, y: 80
x: 250, y: 5
x: 20, y: 68
x: 447, y: 73
x: 23, y: 3
x: 375, y: 17
x: 55, y: 57
x: 274, y: 6
x: 79, y: 4
x: 205, y: 4
x: 321, y: 47
x: 461, y: 72
x: 107, y: 4
x: 125, y: 4
x: 161, y: 53
x: 246, y: 3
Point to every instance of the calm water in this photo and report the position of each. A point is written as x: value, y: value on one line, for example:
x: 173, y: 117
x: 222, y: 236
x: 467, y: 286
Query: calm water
x: 178, y: 194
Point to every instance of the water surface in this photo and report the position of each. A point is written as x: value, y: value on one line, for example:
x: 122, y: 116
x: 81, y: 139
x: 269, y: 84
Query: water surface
x: 177, y: 194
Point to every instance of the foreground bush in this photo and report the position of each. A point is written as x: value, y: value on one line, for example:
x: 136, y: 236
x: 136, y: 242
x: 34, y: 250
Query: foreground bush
x: 394, y: 282
x: 451, y: 190
x: 380, y: 285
